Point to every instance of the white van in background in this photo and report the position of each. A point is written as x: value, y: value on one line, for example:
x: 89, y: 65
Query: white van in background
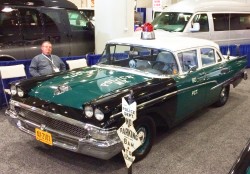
x: 225, y: 22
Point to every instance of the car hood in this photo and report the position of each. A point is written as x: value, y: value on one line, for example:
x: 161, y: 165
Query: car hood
x: 75, y: 88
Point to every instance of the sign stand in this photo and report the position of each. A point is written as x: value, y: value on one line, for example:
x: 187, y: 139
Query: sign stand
x: 130, y: 170
x: 127, y: 132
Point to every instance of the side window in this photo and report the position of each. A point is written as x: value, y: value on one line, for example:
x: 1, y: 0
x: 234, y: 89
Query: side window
x: 207, y: 56
x: 29, y: 18
x: 202, y: 19
x: 188, y: 59
x: 31, y: 24
x: 165, y: 61
x: 54, y: 25
x: 240, y: 21
x: 9, y: 24
x: 237, y: 21
x: 77, y: 20
x: 52, y: 21
x: 221, y: 22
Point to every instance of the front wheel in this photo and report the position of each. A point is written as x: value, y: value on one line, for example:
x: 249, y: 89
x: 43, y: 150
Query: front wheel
x: 145, y: 128
x: 224, y: 95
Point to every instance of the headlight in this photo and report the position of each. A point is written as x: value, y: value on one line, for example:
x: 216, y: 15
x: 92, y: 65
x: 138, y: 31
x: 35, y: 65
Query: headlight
x: 20, y: 92
x: 13, y: 90
x: 88, y: 110
x: 99, y: 115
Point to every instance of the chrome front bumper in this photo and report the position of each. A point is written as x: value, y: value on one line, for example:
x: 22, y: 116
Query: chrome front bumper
x: 103, y: 149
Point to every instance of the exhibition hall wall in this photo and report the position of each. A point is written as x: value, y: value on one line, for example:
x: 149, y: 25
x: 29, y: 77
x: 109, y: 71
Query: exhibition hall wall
x: 140, y: 3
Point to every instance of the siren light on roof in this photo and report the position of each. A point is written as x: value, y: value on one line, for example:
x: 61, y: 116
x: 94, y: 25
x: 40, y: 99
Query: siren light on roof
x: 147, y: 32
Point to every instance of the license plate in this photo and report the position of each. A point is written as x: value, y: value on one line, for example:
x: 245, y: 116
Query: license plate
x: 43, y: 136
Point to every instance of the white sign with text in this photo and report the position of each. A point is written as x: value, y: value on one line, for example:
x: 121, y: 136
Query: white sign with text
x: 127, y: 132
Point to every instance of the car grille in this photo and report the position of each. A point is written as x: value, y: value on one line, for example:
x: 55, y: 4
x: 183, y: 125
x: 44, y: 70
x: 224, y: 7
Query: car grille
x: 54, y: 124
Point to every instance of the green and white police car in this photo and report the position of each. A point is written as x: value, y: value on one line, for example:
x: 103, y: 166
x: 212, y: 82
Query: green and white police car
x: 169, y: 77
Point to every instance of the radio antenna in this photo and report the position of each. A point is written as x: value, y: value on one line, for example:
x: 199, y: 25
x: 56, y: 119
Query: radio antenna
x: 229, y: 35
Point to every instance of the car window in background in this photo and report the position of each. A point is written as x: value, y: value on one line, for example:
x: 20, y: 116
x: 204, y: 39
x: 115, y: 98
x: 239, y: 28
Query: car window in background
x: 9, y: 26
x: 170, y: 21
x: 156, y: 14
x: 202, y: 19
x: 89, y: 13
x: 53, y: 25
x: 237, y: 21
x: 31, y: 23
x: 77, y: 20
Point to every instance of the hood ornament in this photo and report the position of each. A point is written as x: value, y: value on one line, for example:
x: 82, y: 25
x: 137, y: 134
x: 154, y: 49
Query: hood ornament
x: 61, y: 89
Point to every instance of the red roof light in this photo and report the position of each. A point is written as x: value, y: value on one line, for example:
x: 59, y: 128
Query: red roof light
x: 147, y: 27
x: 147, y: 32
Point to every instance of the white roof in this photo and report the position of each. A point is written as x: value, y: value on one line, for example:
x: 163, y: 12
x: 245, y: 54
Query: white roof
x: 166, y: 41
x: 192, y: 6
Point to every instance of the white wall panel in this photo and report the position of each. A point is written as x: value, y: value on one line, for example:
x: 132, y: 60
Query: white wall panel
x: 113, y: 19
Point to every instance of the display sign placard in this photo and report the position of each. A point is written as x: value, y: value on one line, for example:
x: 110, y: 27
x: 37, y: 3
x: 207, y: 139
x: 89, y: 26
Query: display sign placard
x: 127, y: 132
x: 92, y: 3
x: 157, y: 4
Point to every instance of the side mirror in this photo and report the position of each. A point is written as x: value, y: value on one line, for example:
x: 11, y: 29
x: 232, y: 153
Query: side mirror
x: 195, y: 27
x: 90, y: 26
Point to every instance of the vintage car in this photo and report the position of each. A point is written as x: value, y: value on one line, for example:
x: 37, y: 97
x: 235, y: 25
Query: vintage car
x: 169, y: 78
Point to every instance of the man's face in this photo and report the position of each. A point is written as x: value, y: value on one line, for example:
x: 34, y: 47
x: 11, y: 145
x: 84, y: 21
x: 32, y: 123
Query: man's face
x: 46, y: 48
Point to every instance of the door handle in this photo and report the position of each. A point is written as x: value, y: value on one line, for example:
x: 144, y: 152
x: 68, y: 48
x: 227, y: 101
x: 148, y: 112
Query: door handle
x: 202, y: 74
x: 224, y: 70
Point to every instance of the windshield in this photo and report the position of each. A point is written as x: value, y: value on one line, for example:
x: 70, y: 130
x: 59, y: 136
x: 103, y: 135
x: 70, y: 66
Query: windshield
x: 139, y: 59
x: 171, y: 21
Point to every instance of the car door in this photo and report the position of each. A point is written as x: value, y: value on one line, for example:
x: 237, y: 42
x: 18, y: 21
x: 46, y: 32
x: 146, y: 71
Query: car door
x: 204, y: 32
x: 216, y: 72
x: 190, y: 85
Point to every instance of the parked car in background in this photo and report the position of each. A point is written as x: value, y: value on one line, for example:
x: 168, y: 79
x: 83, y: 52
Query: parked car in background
x: 25, y: 24
x: 222, y: 22
x: 170, y: 78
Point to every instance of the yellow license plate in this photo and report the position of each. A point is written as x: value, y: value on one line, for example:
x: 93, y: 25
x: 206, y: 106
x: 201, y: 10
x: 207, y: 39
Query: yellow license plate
x: 43, y: 136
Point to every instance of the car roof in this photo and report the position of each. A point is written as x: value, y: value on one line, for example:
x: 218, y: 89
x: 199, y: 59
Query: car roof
x: 37, y: 3
x: 192, y: 6
x: 165, y: 41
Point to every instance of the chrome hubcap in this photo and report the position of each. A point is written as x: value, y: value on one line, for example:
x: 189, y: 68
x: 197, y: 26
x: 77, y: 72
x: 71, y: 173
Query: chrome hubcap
x: 142, y: 134
x: 223, y: 93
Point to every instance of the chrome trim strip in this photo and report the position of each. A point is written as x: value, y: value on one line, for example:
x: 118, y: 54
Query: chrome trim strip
x: 213, y: 81
x: 140, y: 106
x: 134, y: 71
x: 219, y: 84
